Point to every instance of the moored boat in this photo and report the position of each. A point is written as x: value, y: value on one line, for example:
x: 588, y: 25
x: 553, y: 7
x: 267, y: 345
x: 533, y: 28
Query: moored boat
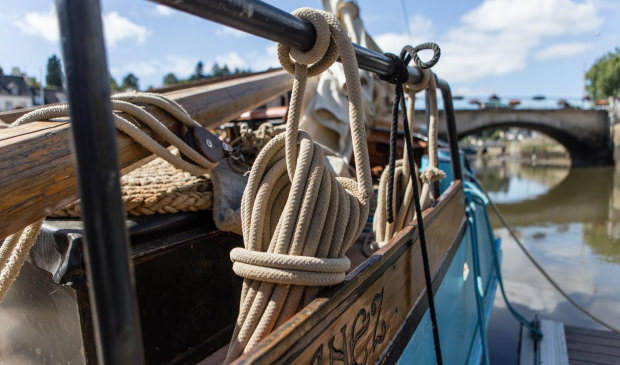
x: 384, y: 310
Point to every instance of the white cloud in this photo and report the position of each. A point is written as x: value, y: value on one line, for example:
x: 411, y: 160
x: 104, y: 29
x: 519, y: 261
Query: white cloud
x: 116, y: 28
x: 420, y: 28
x: 181, y: 66
x: 466, y: 90
x: 140, y: 69
x: 267, y: 59
x: 231, y: 32
x: 499, y: 36
x: 562, y: 50
x: 232, y: 60
x: 40, y: 24
x: 163, y: 10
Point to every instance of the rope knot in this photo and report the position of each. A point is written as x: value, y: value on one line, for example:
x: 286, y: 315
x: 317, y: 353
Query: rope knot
x: 323, y: 53
x: 400, y: 74
x: 432, y: 174
x: 289, y: 269
x: 408, y: 52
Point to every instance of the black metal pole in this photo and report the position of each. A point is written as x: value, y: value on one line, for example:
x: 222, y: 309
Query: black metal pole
x: 110, y: 277
x: 263, y: 20
x: 453, y: 141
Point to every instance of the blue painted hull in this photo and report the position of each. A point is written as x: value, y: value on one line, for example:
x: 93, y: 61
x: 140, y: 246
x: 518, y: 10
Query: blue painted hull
x: 455, y: 301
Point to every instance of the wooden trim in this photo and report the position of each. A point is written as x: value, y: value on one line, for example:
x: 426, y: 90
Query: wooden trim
x: 38, y: 176
x: 403, y: 336
x: 381, y: 290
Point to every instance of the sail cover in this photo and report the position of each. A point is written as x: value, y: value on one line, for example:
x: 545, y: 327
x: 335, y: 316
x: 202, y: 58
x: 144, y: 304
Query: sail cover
x: 326, y: 111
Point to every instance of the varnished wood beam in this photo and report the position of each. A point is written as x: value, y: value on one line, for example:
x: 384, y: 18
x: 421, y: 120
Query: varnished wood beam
x: 36, y: 159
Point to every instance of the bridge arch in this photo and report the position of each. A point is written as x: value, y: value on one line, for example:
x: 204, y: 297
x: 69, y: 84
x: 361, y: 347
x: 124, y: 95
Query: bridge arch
x: 579, y: 153
x: 584, y: 133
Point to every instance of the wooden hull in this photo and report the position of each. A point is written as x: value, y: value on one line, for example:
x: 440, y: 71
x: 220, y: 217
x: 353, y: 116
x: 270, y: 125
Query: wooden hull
x: 375, y: 315
x: 378, y: 315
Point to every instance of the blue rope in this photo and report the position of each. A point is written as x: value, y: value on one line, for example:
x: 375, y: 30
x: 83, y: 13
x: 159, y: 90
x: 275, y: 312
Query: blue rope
x: 478, y: 290
x: 474, y: 193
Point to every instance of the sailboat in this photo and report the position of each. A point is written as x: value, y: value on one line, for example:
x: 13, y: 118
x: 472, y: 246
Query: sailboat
x: 420, y: 293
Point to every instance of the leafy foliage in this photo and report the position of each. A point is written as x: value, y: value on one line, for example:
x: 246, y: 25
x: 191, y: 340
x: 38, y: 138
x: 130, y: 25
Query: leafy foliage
x: 170, y: 79
x: 114, y: 85
x: 603, y: 78
x: 32, y: 82
x: 130, y: 82
x: 54, y: 72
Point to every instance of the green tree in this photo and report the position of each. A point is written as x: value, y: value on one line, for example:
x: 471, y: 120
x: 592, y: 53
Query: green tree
x: 32, y: 82
x: 198, y: 72
x: 603, y: 78
x: 54, y: 72
x: 114, y: 85
x: 1, y: 71
x: 130, y: 82
x: 170, y: 79
x: 218, y: 70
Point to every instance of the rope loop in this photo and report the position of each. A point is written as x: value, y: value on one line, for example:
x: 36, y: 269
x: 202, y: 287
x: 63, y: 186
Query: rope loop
x: 288, y: 269
x: 401, y: 181
x: 408, y: 52
x: 342, y: 5
x: 323, y: 53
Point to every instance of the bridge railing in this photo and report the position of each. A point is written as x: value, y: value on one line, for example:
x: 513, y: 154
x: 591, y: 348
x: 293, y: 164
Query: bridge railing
x: 519, y: 103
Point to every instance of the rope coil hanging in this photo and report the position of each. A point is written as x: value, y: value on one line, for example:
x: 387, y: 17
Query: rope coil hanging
x: 395, y: 200
x: 292, y: 200
x: 408, y: 174
x: 15, y: 248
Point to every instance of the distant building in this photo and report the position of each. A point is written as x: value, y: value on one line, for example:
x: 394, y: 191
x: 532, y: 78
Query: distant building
x: 14, y: 91
x: 52, y: 95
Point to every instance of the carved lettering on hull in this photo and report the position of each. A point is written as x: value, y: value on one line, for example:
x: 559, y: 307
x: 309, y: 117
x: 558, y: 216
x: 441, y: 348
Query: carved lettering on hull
x: 343, y: 347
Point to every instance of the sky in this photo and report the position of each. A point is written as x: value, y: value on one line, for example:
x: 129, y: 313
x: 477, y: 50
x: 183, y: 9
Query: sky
x: 514, y: 48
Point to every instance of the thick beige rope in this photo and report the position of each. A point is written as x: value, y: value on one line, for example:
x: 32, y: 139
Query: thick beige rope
x: 403, y: 185
x: 13, y: 254
x: 15, y: 248
x: 157, y: 188
x: 292, y: 200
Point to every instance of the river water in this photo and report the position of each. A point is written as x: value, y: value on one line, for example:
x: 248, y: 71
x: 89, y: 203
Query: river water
x: 569, y: 219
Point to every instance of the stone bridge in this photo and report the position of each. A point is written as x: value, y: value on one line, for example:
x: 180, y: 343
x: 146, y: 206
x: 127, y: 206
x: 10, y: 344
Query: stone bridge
x: 584, y: 133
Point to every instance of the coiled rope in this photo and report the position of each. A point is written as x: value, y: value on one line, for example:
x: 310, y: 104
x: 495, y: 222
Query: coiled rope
x: 394, y: 202
x: 408, y: 167
x: 15, y: 248
x: 298, y: 219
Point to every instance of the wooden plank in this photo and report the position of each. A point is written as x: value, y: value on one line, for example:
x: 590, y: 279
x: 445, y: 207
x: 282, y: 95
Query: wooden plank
x: 355, y: 321
x: 597, y: 349
x: 591, y: 332
x: 527, y: 354
x: 552, y: 347
x: 37, y: 165
x: 593, y: 358
x: 585, y: 339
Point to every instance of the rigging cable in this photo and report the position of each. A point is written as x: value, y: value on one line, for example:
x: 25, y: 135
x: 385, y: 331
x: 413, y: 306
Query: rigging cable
x: 399, y: 77
x: 406, y: 15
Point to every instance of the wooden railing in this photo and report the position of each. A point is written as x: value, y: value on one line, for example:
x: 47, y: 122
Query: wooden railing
x: 36, y: 160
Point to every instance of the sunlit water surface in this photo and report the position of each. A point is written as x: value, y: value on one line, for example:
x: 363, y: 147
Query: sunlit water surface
x: 570, y: 221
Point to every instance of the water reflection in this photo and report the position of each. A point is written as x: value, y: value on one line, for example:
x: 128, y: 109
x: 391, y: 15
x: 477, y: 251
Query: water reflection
x: 570, y: 221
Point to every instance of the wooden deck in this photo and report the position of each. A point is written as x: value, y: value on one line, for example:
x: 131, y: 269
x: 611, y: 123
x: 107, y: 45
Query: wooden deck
x: 563, y: 344
x: 588, y: 346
